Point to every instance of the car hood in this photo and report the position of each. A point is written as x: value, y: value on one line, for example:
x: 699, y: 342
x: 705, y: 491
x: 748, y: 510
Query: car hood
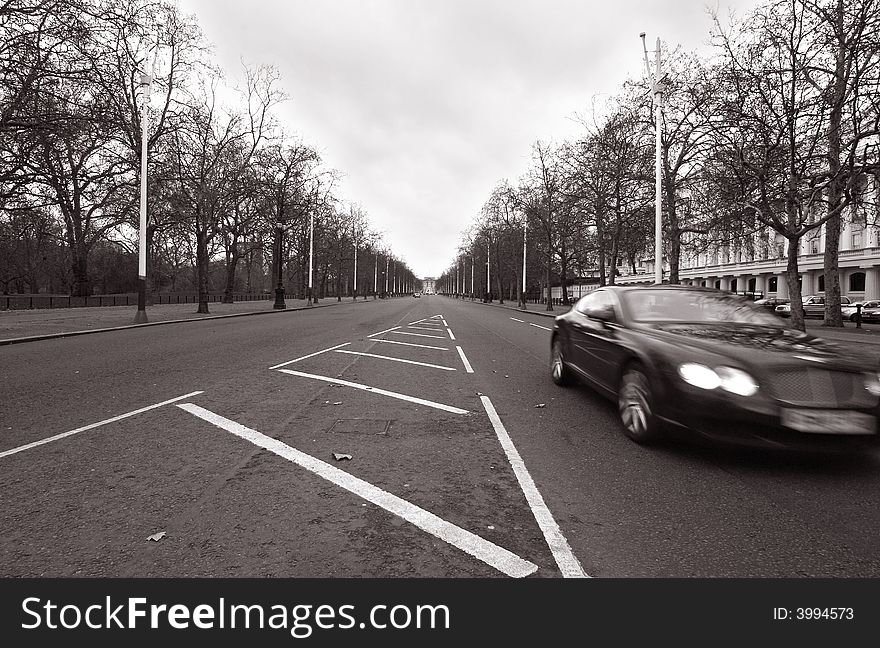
x: 760, y: 344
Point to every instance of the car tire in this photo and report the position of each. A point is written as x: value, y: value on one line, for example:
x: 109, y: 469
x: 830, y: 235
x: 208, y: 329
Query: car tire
x: 559, y: 373
x: 635, y: 405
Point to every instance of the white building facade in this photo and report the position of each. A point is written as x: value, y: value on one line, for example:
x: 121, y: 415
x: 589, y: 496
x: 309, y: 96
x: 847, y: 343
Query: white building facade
x: 757, y: 263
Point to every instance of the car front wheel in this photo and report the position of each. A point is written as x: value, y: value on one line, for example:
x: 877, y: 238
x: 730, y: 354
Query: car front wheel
x: 636, y: 406
x: 560, y: 374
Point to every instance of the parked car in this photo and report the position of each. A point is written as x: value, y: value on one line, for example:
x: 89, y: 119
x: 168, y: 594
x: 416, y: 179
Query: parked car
x: 714, y: 364
x: 783, y: 310
x: 870, y: 312
x: 770, y: 303
x: 814, y: 306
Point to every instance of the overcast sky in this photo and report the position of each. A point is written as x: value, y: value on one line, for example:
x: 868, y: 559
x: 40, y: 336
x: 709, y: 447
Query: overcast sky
x: 424, y: 105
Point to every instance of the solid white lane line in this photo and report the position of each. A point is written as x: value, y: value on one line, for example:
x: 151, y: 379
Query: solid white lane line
x: 565, y: 558
x: 439, y: 337
x: 421, y: 346
x: 451, y: 336
x: 375, y: 355
x: 518, y: 320
x: 444, y: 322
x: 467, y: 365
x: 540, y: 327
x: 385, y: 331
x: 500, y: 558
x: 311, y: 355
x: 376, y: 390
x: 91, y: 426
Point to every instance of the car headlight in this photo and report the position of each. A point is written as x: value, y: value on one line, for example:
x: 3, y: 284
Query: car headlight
x: 872, y: 384
x: 735, y: 381
x: 699, y: 375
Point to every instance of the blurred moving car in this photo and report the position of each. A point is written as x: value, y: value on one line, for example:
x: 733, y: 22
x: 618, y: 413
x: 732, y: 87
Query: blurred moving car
x: 770, y: 303
x: 417, y: 294
x: 715, y: 364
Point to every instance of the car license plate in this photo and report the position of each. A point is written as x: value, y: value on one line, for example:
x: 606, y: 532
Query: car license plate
x: 829, y: 421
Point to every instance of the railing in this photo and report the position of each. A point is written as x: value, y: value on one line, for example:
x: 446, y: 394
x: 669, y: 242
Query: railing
x: 24, y: 302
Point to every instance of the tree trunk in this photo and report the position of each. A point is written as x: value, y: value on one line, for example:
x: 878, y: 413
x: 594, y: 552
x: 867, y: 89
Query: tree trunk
x: 231, y: 264
x: 81, y: 285
x: 794, y: 289
x: 549, y: 268
x: 833, y: 316
x: 202, y: 268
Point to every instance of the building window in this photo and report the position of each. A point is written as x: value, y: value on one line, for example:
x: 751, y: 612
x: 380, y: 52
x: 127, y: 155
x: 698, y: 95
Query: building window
x: 703, y: 284
x: 856, y: 240
x: 753, y: 283
x: 814, y: 246
x: 821, y: 283
x: 857, y: 282
x: 772, y: 284
x: 733, y: 285
x: 717, y: 284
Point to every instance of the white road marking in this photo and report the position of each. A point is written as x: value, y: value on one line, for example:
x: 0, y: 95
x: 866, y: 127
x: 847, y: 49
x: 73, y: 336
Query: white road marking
x: 385, y: 331
x: 311, y: 355
x: 424, y: 328
x: 439, y: 337
x: 91, y: 426
x: 376, y: 390
x: 451, y: 336
x: 565, y: 558
x: 500, y: 558
x: 518, y: 320
x: 540, y: 327
x: 375, y: 355
x: 422, y: 346
x: 444, y: 322
x: 467, y: 365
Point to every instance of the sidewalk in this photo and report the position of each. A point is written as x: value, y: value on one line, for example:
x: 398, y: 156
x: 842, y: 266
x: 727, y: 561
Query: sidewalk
x: 867, y: 334
x: 29, y: 325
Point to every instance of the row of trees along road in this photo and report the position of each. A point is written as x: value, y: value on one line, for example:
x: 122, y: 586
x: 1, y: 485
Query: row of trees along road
x: 770, y: 138
x: 225, y: 177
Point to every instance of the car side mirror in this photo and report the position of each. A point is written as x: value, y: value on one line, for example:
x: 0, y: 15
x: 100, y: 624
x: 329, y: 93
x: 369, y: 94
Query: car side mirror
x: 604, y: 313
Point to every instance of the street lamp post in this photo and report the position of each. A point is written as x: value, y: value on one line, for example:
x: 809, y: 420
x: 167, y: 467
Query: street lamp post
x: 472, y: 276
x: 386, y: 276
x: 141, y: 315
x: 376, y: 277
x: 279, y: 250
x: 658, y: 88
x: 310, y: 295
x: 355, y: 280
x: 522, y: 299
x: 488, y: 284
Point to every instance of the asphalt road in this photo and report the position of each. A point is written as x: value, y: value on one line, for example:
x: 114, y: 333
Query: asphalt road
x: 240, y: 478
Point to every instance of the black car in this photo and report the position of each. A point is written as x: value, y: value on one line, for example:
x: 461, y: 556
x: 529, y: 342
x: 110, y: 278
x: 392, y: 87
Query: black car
x: 715, y: 364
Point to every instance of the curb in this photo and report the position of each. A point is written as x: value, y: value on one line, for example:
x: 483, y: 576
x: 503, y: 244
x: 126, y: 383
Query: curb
x: 51, y: 336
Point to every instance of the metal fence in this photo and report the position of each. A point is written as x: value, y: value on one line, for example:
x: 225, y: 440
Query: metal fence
x: 24, y: 302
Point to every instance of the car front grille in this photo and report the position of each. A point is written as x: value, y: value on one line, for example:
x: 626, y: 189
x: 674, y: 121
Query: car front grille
x: 820, y: 387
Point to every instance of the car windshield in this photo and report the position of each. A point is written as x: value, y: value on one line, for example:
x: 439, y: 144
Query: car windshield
x: 694, y: 306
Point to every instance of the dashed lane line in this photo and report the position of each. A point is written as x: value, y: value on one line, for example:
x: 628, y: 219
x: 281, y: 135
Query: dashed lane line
x: 565, y: 558
x: 393, y: 328
x: 311, y: 355
x: 92, y: 426
x: 540, y: 327
x: 467, y: 365
x: 414, y: 362
x: 376, y: 390
x: 518, y: 320
x: 421, y: 346
x: 498, y: 557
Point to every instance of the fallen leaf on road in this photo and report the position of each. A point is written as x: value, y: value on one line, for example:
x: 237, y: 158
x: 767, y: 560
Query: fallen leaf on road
x: 338, y: 403
x: 340, y: 456
x: 540, y: 405
x: 157, y: 536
